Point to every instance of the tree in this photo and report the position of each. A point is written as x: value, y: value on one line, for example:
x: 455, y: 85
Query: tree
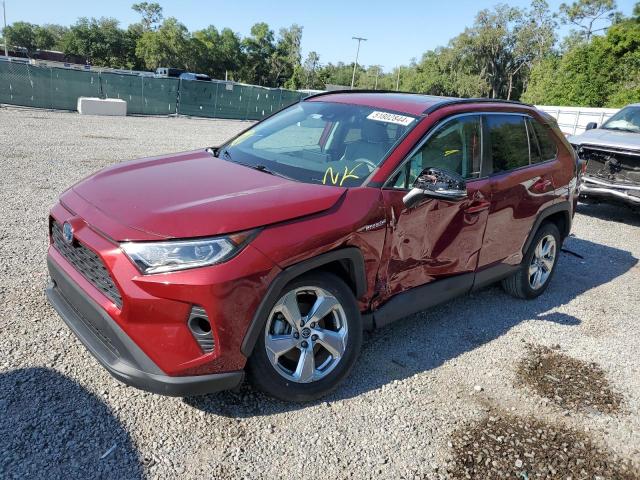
x: 205, y: 47
x: 296, y: 80
x: 231, y: 51
x: 151, y: 14
x: 486, y: 49
x: 34, y: 37
x: 602, y: 72
x: 44, y: 38
x: 131, y: 37
x: 22, y: 34
x: 100, y: 41
x: 588, y: 15
x: 259, y: 49
x: 534, y: 40
x: 310, y: 68
x: 286, y: 56
x: 623, y: 45
x: 536, y: 32
x: 50, y: 36
x: 168, y: 46
x: 216, y: 53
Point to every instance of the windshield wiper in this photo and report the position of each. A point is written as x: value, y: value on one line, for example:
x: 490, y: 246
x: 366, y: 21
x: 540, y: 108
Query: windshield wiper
x: 226, y: 153
x: 265, y: 169
x: 622, y: 129
x: 259, y: 167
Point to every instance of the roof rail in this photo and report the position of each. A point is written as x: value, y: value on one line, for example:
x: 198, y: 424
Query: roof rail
x: 457, y: 101
x: 331, y: 92
x: 446, y: 101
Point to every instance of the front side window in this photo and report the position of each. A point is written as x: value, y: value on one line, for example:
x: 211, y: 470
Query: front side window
x: 626, y: 120
x: 455, y: 146
x: 509, y: 142
x: 321, y: 142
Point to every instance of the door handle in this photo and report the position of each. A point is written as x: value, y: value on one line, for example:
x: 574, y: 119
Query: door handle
x: 542, y: 184
x: 478, y: 206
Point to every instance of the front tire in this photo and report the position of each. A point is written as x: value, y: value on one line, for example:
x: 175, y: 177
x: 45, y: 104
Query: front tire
x: 310, y: 340
x: 538, y: 265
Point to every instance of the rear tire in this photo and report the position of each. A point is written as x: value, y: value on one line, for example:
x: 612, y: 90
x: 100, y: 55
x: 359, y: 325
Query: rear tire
x: 300, y: 356
x: 538, y: 265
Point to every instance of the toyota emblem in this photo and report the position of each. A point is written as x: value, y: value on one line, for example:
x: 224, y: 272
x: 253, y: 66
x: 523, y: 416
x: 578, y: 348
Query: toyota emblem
x: 67, y: 233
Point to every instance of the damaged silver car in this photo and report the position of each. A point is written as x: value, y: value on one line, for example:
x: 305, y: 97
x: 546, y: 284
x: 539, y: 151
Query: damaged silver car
x: 612, y: 156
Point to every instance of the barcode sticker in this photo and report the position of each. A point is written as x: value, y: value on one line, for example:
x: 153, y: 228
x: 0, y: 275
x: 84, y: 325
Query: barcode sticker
x: 390, y: 118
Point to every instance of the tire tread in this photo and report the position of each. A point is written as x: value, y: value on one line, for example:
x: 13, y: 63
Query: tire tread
x: 517, y: 285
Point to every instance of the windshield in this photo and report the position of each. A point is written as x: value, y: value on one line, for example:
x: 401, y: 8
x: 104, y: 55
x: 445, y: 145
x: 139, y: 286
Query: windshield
x: 627, y: 119
x: 320, y: 142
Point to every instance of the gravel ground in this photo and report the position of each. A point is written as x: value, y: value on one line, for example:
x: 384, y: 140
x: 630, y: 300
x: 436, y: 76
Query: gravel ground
x: 419, y: 387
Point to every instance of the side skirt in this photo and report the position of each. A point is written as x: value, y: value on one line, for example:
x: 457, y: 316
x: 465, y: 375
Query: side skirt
x: 492, y: 274
x: 426, y: 296
x: 421, y: 298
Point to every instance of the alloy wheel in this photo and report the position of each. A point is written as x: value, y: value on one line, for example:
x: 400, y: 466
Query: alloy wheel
x: 306, y: 334
x: 542, y: 262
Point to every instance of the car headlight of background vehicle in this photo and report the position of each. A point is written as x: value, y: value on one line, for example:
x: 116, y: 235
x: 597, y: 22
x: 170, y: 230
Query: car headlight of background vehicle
x: 159, y: 257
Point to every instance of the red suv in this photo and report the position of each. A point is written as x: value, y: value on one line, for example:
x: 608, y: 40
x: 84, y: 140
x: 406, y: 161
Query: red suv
x: 271, y: 253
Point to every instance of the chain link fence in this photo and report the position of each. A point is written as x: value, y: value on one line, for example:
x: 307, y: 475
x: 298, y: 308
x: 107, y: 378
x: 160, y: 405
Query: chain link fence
x: 59, y: 88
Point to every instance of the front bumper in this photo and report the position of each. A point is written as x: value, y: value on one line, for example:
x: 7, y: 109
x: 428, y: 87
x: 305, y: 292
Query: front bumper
x: 593, y: 187
x: 113, y: 348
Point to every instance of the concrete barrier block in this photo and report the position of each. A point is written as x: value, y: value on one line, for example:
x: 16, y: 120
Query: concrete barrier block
x: 100, y: 106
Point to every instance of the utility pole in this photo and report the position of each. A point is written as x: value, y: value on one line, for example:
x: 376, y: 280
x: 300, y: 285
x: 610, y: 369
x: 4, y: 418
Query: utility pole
x: 4, y: 32
x: 375, y: 87
x: 355, y: 65
x: 398, y: 80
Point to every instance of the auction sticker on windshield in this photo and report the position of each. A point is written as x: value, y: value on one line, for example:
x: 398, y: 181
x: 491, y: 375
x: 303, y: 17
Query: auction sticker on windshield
x: 390, y: 118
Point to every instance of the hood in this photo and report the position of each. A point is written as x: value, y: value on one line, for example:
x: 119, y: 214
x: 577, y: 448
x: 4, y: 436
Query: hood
x: 190, y: 194
x: 607, y: 138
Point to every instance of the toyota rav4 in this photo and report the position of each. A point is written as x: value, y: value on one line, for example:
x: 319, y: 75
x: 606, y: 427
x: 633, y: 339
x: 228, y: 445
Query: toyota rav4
x: 270, y: 254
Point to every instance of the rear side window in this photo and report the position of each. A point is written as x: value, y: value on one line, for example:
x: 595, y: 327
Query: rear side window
x: 547, y: 146
x: 509, y: 142
x: 534, y: 145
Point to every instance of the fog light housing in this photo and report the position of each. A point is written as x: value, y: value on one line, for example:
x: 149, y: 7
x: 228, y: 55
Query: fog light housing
x: 200, y: 328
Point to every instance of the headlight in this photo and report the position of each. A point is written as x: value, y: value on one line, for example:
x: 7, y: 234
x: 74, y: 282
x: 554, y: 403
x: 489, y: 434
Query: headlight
x: 159, y: 257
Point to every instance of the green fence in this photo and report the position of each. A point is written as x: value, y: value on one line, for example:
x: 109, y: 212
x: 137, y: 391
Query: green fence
x: 58, y: 88
x: 144, y: 95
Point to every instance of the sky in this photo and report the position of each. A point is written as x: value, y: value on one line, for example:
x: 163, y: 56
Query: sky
x: 396, y: 31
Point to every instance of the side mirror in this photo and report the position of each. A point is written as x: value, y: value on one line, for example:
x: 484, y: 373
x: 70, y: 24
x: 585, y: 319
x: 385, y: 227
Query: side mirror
x: 436, y: 183
x: 591, y: 125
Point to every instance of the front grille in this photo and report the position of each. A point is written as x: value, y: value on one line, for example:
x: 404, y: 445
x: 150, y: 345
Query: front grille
x: 88, y: 263
x: 611, y: 165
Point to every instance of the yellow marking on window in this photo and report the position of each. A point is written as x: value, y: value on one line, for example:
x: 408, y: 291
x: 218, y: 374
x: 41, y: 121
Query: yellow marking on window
x: 329, y: 172
x: 349, y: 174
x: 335, y: 178
x: 450, y: 152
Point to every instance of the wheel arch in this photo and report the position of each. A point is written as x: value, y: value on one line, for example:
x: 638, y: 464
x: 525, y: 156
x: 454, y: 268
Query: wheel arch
x: 559, y: 214
x: 347, y: 263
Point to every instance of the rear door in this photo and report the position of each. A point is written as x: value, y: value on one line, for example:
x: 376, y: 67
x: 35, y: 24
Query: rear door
x: 521, y: 185
x: 437, y: 238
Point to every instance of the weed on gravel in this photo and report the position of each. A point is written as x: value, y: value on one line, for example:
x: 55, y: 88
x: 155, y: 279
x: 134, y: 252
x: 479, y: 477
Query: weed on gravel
x: 506, y: 446
x: 566, y: 381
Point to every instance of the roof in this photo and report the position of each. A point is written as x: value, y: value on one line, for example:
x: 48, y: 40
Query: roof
x: 409, y: 103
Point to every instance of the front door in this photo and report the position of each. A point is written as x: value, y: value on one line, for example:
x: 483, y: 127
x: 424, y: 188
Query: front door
x: 436, y: 239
